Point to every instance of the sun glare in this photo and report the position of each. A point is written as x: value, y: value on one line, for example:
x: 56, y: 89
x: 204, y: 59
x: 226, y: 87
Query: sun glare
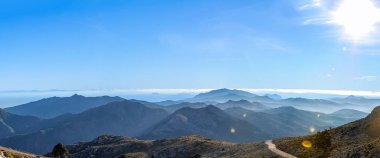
x: 306, y: 144
x: 357, y: 17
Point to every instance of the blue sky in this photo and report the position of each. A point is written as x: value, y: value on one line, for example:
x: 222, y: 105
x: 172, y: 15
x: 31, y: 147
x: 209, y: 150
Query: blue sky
x: 139, y: 44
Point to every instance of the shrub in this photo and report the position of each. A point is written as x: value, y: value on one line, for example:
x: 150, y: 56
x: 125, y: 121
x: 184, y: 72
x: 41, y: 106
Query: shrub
x: 322, y: 140
x: 8, y: 154
x: 60, y: 151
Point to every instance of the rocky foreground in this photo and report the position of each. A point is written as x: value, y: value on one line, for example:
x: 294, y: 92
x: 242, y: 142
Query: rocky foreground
x: 10, y: 153
x: 181, y: 147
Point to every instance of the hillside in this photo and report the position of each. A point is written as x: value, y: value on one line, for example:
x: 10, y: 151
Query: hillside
x: 11, y: 124
x: 210, y: 122
x: 55, y: 106
x: 357, y: 139
x: 186, y: 147
x: 15, y: 154
x: 117, y: 118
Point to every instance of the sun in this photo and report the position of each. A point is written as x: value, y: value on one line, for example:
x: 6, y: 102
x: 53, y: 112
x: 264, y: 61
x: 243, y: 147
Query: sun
x: 358, y: 18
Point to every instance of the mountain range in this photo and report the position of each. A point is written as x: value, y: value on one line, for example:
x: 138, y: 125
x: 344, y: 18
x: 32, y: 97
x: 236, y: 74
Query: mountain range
x: 356, y: 139
x: 208, y: 121
x: 117, y: 118
x: 235, y: 120
x: 273, y: 100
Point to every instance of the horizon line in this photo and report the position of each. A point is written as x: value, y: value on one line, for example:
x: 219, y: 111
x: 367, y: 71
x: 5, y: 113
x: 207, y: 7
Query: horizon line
x: 197, y: 90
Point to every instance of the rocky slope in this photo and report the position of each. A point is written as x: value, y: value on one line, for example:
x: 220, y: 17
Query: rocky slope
x: 14, y: 153
x: 357, y: 139
x: 181, y: 147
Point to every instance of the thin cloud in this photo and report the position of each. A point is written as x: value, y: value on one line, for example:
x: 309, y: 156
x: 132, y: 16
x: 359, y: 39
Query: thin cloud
x: 313, y: 4
x: 366, y: 78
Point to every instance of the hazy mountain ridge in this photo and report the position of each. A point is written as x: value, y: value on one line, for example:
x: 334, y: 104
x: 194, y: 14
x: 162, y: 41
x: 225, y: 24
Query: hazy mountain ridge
x: 55, y: 106
x: 349, y: 113
x: 362, y: 103
x: 117, y: 118
x: 318, y: 105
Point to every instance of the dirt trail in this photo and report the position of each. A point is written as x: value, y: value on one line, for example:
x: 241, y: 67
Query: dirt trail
x: 272, y: 147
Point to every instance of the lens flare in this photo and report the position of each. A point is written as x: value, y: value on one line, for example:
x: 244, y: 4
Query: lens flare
x: 232, y: 130
x: 307, y: 144
x: 244, y: 115
x: 312, y: 129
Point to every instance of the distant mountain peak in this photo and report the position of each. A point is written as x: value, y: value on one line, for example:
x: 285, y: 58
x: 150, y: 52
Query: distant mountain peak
x: 273, y: 96
x: 226, y: 91
x: 77, y: 95
x: 222, y: 89
x: 222, y: 95
x: 354, y: 97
